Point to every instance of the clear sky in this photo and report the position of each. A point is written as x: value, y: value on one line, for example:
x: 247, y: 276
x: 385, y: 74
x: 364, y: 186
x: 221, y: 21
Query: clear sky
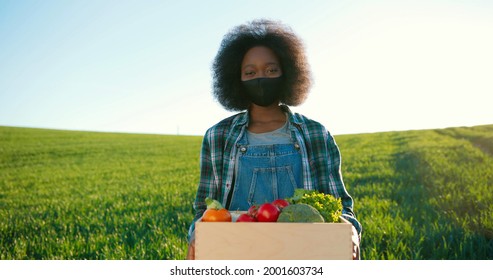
x: 144, y: 66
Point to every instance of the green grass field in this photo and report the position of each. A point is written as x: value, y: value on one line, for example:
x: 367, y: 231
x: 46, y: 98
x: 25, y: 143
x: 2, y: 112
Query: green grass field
x: 82, y: 195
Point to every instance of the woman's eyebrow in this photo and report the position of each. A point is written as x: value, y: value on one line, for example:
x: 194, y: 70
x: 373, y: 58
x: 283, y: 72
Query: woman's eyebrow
x: 266, y: 64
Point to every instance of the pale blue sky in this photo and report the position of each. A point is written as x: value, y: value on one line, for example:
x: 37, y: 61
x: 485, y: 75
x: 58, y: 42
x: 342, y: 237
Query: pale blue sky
x: 144, y: 66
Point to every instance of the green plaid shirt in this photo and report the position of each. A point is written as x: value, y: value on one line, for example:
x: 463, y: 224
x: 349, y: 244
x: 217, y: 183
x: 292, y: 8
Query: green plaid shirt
x: 321, y: 161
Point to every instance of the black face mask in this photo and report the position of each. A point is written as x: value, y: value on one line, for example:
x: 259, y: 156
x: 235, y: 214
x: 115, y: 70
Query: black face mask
x: 263, y: 91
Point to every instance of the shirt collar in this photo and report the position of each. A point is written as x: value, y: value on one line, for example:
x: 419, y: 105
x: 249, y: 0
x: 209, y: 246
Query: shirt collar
x: 293, y: 118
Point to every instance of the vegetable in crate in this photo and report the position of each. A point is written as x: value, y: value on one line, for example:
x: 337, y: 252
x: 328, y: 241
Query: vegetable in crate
x: 215, y: 212
x: 329, y: 207
x: 246, y: 218
x: 268, y: 212
x: 300, y: 213
x: 280, y: 203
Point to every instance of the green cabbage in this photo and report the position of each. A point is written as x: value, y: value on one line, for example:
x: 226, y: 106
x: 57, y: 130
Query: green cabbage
x: 327, y: 205
x: 300, y: 213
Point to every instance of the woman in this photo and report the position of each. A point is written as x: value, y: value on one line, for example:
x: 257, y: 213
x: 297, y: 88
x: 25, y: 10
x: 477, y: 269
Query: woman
x: 266, y: 151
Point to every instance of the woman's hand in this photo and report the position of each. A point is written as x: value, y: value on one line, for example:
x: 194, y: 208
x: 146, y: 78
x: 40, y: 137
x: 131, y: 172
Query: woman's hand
x: 356, y: 249
x: 191, y: 251
x: 191, y: 248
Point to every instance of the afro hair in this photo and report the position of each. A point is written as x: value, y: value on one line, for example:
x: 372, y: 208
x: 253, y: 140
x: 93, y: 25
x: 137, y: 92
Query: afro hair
x: 226, y: 67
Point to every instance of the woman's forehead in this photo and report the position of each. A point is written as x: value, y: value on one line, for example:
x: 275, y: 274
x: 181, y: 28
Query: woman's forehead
x: 260, y: 54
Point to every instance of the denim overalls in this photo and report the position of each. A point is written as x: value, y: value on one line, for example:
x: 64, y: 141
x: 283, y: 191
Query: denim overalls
x: 266, y: 171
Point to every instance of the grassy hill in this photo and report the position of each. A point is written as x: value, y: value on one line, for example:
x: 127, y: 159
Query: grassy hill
x: 83, y: 195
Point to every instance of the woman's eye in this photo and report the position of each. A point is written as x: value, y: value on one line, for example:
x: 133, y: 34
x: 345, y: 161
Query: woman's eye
x: 249, y: 73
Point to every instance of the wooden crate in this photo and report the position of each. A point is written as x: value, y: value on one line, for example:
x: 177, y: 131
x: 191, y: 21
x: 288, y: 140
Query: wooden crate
x: 273, y: 241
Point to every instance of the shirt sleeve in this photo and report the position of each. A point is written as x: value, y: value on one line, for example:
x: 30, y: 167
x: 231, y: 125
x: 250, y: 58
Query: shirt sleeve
x: 206, y: 182
x: 336, y: 183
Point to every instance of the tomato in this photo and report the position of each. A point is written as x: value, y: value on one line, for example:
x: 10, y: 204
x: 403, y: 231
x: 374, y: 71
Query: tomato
x: 268, y: 212
x: 252, y: 211
x: 280, y: 203
x: 216, y: 215
x: 245, y: 218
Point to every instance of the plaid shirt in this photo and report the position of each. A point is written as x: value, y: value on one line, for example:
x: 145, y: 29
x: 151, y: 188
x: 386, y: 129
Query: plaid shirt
x: 321, y: 161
